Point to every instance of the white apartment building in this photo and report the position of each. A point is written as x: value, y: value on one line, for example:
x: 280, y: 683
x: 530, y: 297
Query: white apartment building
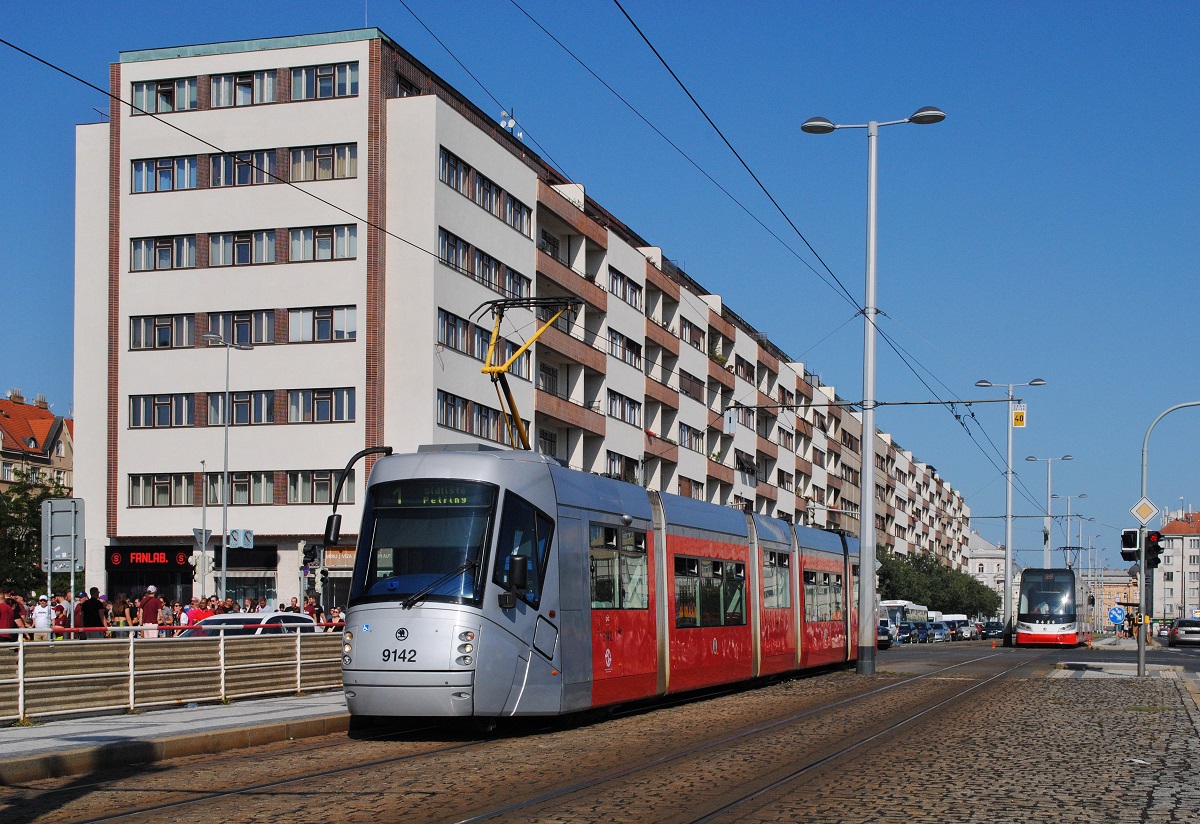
x: 328, y: 203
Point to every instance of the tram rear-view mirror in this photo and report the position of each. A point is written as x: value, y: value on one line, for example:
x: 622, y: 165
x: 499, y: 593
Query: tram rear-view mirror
x: 333, y: 529
x: 518, y: 573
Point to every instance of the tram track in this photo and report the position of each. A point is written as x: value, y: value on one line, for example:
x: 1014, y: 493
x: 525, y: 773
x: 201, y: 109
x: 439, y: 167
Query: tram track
x: 177, y: 802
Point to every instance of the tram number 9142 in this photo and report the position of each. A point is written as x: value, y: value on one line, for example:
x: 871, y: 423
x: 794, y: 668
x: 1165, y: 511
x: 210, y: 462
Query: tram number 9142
x: 398, y: 656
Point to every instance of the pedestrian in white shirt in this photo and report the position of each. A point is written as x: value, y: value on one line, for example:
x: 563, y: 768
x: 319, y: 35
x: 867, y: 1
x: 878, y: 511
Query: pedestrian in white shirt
x: 43, y: 619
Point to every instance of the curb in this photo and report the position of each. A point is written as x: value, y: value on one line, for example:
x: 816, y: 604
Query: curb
x: 133, y: 751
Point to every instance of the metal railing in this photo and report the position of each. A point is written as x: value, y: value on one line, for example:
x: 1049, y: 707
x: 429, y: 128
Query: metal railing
x: 40, y: 679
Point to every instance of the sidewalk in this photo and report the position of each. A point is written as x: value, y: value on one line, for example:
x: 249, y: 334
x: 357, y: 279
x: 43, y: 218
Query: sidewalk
x: 70, y: 746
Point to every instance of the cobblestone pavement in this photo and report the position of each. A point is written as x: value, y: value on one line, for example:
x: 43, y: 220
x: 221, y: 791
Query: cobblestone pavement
x: 1026, y: 748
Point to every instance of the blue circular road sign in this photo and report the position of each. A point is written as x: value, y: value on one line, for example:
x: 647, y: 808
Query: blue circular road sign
x: 1116, y: 615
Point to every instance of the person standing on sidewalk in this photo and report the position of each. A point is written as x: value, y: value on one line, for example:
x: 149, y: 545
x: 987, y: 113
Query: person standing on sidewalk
x: 149, y: 611
x: 43, y: 620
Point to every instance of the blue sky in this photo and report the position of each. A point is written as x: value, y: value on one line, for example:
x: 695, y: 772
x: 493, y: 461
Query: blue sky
x: 1048, y: 228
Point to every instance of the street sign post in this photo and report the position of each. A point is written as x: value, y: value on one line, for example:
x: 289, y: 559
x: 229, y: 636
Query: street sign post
x: 1144, y: 510
x: 62, y: 539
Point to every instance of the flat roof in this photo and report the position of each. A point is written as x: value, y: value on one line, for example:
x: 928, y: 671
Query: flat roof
x: 263, y: 44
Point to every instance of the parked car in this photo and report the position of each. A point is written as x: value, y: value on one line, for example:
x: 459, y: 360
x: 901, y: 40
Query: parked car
x: 904, y: 633
x: 1184, y: 631
x: 964, y: 631
x: 993, y: 629
x: 883, y: 638
x: 938, y: 631
x: 920, y: 631
x: 251, y: 623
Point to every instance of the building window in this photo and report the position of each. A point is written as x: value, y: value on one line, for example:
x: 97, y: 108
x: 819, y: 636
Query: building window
x: 691, y: 386
x: 160, y: 490
x: 452, y: 411
x: 690, y: 438
x: 625, y: 409
x: 246, y: 488
x: 452, y: 251
x: 623, y: 467
x: 691, y: 489
x: 160, y: 411
x: 516, y: 285
x: 164, y: 174
x: 518, y: 216
x: 624, y: 348
x: 164, y: 96
x: 243, y: 169
x: 325, y: 323
x: 743, y: 368
x: 547, y: 443
x: 454, y: 172
x: 244, y: 327
x: 248, y: 89
x: 249, y: 408
x: 162, y: 332
x: 325, y: 162
x: 243, y: 249
x: 624, y: 288
x: 473, y: 418
x: 785, y: 480
x: 487, y: 195
x: 548, y: 379
x: 691, y: 334
x: 745, y: 416
x: 324, y: 243
x: 317, y: 487
x: 321, y: 82
x: 163, y: 253
x: 787, y: 439
x: 320, y: 405
x: 487, y: 270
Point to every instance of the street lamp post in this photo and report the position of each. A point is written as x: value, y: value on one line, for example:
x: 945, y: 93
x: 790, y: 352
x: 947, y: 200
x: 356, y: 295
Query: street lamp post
x: 1008, y: 513
x: 215, y: 339
x: 867, y: 625
x: 1048, y: 523
x: 1067, y: 550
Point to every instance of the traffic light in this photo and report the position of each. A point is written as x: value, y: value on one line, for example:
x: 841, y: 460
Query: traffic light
x: 1153, y: 549
x: 323, y: 579
x: 310, y: 554
x: 1129, y: 544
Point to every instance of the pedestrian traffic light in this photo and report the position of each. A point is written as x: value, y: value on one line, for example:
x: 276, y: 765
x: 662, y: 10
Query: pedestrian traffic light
x: 1153, y: 549
x: 1129, y: 544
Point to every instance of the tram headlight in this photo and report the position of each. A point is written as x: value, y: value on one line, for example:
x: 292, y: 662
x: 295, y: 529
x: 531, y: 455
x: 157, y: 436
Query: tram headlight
x: 347, y: 648
x: 466, y: 635
x: 464, y: 648
x: 464, y: 660
x: 345, y: 660
x: 348, y: 635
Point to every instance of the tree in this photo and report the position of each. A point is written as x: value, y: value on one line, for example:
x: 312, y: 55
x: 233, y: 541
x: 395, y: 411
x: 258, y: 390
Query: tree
x: 21, y: 532
x: 921, y: 578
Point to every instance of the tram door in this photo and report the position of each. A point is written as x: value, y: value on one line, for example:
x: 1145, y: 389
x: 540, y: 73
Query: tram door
x: 624, y: 637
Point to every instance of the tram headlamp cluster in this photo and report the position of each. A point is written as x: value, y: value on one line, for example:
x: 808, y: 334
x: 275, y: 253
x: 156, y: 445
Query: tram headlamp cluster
x: 464, y: 660
x: 347, y: 647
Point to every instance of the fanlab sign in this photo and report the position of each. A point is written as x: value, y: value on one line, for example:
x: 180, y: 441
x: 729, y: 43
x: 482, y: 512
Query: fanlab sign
x: 148, y: 558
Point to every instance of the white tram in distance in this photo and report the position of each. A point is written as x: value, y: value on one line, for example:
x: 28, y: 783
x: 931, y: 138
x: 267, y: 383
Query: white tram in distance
x: 1053, y: 609
x: 495, y: 583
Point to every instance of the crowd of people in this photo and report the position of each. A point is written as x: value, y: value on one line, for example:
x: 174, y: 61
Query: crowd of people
x: 92, y: 615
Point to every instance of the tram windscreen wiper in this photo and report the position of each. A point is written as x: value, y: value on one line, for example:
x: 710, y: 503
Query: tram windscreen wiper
x: 411, y: 601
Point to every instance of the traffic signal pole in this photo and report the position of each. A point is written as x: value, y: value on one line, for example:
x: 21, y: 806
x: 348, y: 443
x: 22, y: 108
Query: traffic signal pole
x: 1141, y: 671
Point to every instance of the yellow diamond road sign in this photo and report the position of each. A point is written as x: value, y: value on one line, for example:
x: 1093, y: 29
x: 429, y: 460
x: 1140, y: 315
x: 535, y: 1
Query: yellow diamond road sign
x: 1144, y: 511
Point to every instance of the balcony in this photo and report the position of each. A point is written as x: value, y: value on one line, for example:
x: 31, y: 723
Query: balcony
x: 662, y: 393
x: 569, y: 412
x: 656, y: 278
x: 575, y: 349
x: 570, y: 214
x: 765, y: 447
x: 665, y: 338
x: 804, y: 467
x: 724, y: 327
x: 720, y: 472
x: 764, y: 490
x: 566, y: 278
x: 719, y: 374
x: 661, y: 448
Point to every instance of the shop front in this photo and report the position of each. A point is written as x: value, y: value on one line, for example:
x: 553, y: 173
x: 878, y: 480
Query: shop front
x: 129, y: 570
x: 251, y: 573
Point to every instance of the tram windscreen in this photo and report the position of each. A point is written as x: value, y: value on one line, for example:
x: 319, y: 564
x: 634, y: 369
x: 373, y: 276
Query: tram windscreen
x: 424, y: 539
x: 1047, y: 595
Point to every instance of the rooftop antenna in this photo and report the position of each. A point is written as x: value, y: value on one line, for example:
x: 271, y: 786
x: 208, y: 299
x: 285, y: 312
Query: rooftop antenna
x: 509, y: 122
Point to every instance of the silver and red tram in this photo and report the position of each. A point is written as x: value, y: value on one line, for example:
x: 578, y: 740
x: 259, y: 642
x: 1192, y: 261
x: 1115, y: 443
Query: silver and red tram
x: 1053, y: 609
x: 498, y: 583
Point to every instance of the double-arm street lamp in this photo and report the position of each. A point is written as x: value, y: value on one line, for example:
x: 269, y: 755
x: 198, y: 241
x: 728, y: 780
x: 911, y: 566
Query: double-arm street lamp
x: 867, y: 625
x: 1048, y: 522
x: 1008, y: 513
x: 215, y: 339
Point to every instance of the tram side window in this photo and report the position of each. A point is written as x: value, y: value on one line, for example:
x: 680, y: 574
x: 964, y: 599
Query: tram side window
x: 777, y: 582
x: 525, y: 534
x: 822, y: 596
x: 709, y: 593
x: 619, y: 568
